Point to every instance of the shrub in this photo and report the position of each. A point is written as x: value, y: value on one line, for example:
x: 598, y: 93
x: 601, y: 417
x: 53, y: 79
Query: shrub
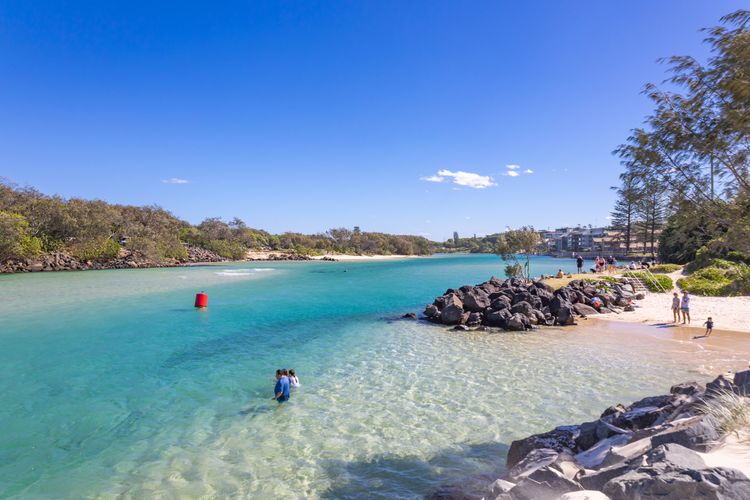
x: 665, y: 268
x: 720, y: 278
x: 664, y: 282
x: 95, y: 249
x: 227, y: 249
x: 15, y: 237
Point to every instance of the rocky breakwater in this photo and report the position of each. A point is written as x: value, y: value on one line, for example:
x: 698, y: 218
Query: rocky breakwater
x: 61, y: 261
x: 518, y: 305
x: 654, y: 448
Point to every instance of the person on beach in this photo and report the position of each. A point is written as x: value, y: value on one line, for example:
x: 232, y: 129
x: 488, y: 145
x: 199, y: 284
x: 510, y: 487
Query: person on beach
x: 685, y: 307
x: 676, y: 307
x: 293, y: 380
x: 579, y: 263
x: 560, y: 274
x: 281, y: 390
x: 709, y: 324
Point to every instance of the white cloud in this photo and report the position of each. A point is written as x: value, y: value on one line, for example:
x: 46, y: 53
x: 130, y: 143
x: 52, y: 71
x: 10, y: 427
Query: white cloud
x: 468, y: 179
x: 432, y: 178
x: 175, y: 180
x: 511, y: 173
x: 528, y: 171
x: 513, y: 167
x: 467, y: 218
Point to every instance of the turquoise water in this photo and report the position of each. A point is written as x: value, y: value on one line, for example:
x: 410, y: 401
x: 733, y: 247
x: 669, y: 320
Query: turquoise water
x: 113, y: 385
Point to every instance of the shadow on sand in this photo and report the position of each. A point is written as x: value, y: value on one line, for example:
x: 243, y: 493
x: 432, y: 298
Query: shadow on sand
x: 389, y: 476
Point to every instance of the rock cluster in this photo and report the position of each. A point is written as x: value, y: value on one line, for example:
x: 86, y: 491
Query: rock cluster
x: 284, y: 256
x: 61, y: 261
x: 646, y: 450
x: 517, y: 305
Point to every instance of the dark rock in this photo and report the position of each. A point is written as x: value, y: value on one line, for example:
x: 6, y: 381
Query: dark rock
x: 710, y: 484
x: 699, y: 435
x: 640, y: 296
x: 431, y: 311
x: 742, y: 381
x: 517, y: 323
x: 687, y: 388
x: 461, y: 328
x: 453, y: 311
x: 410, y: 316
x: 564, y: 316
x: 559, y: 439
x: 501, y: 302
x: 720, y: 384
x: 476, y: 300
x: 584, y: 310
x: 533, y: 461
x: 523, y: 307
x: 497, y: 318
x: 474, y: 318
x: 628, y: 308
x: 548, y: 484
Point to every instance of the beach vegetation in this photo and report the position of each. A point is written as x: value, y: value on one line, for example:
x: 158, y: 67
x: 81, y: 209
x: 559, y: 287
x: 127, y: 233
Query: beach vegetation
x: 15, y: 237
x: 654, y: 282
x: 665, y: 268
x: 95, y: 249
x: 727, y: 411
x: 718, y: 278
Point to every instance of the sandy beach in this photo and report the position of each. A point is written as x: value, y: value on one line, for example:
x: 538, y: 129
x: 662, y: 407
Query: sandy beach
x: 728, y: 313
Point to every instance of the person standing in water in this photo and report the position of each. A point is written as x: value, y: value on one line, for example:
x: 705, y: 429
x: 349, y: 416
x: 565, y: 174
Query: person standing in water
x: 281, y: 390
x: 293, y: 380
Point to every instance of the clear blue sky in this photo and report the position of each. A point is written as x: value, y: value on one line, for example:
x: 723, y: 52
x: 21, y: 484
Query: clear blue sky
x: 308, y: 115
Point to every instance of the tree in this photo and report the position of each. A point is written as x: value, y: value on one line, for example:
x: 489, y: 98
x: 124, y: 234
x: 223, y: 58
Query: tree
x: 624, y: 212
x: 514, y: 242
x: 696, y: 143
x: 455, y: 238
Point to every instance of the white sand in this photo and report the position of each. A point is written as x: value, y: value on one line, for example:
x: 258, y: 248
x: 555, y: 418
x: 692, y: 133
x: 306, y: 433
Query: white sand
x: 728, y: 313
x: 734, y: 453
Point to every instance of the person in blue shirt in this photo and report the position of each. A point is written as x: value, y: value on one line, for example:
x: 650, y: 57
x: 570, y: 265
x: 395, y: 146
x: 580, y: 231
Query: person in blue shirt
x: 281, y: 391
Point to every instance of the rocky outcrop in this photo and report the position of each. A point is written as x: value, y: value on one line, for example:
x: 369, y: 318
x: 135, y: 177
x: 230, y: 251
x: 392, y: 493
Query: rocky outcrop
x: 519, y: 305
x: 647, y: 450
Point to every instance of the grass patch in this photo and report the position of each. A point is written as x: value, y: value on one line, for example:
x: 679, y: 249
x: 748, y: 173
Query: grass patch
x: 665, y: 268
x: 727, y: 411
x: 664, y: 282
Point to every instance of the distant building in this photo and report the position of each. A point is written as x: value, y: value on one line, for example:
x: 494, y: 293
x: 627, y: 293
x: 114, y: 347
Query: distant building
x: 569, y: 240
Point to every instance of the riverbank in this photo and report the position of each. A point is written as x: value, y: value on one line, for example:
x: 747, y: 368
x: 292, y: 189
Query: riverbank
x: 274, y: 255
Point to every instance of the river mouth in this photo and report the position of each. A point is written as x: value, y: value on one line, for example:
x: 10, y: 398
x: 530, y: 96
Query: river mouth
x: 168, y: 401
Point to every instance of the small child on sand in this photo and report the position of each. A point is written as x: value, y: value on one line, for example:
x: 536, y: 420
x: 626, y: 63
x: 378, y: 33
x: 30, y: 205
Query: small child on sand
x: 709, y: 326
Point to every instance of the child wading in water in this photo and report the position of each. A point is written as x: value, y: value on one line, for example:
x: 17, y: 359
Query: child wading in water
x: 709, y: 326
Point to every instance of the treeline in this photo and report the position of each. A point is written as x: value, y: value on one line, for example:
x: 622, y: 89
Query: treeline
x: 484, y: 244
x: 32, y: 224
x: 686, y: 180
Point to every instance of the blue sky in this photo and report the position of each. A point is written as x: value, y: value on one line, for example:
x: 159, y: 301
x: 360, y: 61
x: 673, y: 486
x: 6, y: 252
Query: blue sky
x: 307, y: 115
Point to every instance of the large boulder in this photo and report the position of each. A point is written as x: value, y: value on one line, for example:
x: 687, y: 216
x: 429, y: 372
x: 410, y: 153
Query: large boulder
x: 564, y: 315
x: 742, y: 381
x: 476, y: 300
x: 721, y: 384
x: 697, y: 434
x: 524, y: 308
x: 498, y: 318
x: 559, y: 439
x: 500, y: 302
x: 687, y: 389
x: 431, y: 311
x: 517, y: 323
x: 453, y: 312
x: 584, y: 310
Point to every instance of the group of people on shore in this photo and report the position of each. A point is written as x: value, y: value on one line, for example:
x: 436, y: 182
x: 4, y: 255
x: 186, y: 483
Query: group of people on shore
x: 681, y: 306
x: 600, y: 264
x: 285, y: 381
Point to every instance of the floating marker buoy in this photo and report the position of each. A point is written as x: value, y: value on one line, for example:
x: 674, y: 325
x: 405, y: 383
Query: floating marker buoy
x: 201, y: 300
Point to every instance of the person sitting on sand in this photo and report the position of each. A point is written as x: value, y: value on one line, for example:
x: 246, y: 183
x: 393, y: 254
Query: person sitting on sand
x: 685, y: 307
x: 676, y: 307
x: 709, y: 324
x: 560, y: 274
x: 281, y: 391
x: 293, y: 380
x: 632, y: 266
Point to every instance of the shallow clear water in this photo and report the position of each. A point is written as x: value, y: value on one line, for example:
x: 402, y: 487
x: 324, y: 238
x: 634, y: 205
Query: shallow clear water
x: 112, y: 384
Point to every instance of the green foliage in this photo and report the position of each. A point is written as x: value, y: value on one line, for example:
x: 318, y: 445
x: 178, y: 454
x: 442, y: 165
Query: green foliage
x: 95, y: 249
x: 515, y: 241
x: 665, y: 268
x: 15, y: 237
x: 662, y: 282
x: 514, y: 270
x: 718, y: 278
x: 227, y: 249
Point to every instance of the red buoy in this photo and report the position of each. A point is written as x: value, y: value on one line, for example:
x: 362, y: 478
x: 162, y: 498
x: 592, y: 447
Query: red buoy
x: 201, y: 300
